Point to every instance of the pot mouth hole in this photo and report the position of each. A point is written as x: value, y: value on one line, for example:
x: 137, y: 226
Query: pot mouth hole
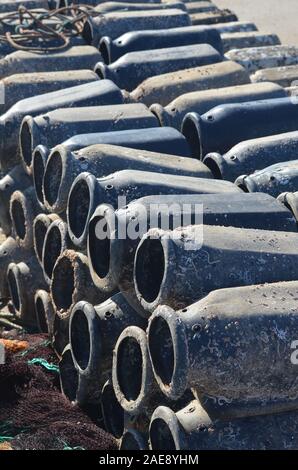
x: 161, y: 437
x: 63, y: 284
x: 100, y: 69
x: 68, y: 376
x: 161, y: 347
x: 40, y: 231
x: 79, y: 208
x: 18, y: 217
x: 190, y: 132
x: 14, y: 290
x: 41, y: 315
x: 243, y: 187
x: 113, y: 412
x: 53, y: 178
x: 213, y: 167
x: 26, y: 143
x: 87, y: 32
x: 130, y: 368
x: 38, y: 172
x: 52, y: 249
x: 99, y: 246
x: 80, y: 338
x: 104, y: 50
x: 150, y: 268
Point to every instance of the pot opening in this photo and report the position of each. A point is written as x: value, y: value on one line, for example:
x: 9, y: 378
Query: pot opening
x: 26, y: 143
x: 113, y: 413
x: 78, y: 208
x: 213, y: 167
x: 63, y: 284
x: 40, y: 230
x: 161, y: 437
x: 68, y: 376
x: 161, y: 349
x: 52, y: 178
x: 150, y: 268
x: 99, y: 246
x: 52, y: 249
x: 104, y: 50
x: 130, y: 368
x: 18, y: 218
x: 13, y: 289
x: 38, y: 172
x: 80, y: 338
x: 41, y: 315
x: 190, y: 132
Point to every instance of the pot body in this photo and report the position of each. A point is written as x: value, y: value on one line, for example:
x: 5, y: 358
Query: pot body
x: 111, y: 50
x: 134, y: 67
x: 165, y: 88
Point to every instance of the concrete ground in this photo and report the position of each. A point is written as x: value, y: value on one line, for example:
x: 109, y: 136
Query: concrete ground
x: 270, y: 16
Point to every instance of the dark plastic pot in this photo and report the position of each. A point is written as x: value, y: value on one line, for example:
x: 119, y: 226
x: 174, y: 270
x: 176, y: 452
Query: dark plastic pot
x: 71, y: 282
x: 193, y: 429
x: 256, y: 58
x: 121, y: 187
x: 24, y: 279
x: 163, y: 140
x: 290, y: 200
x: 68, y: 375
x: 39, y: 159
x: 202, y: 101
x: 134, y: 67
x: 56, y: 241
x: 23, y: 210
x: 164, y: 88
x: 101, y: 160
x: 24, y: 85
x: 213, y: 17
x: 251, y: 155
x: 251, y: 39
x: 108, y: 7
x: 117, y: 23
x: 52, y: 128
x: 112, y: 412
x: 111, y: 50
x: 88, y: 94
x: 181, y: 267
x: 134, y: 384
x: 93, y: 332
x: 74, y: 58
x: 216, y: 347
x: 45, y: 313
x: 211, y: 131
x: 273, y: 180
x: 235, y: 27
x: 10, y: 252
x: 284, y: 76
x: 16, y: 179
x: 40, y: 226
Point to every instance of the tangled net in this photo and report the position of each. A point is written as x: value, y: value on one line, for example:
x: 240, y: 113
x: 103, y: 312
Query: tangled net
x: 33, y: 413
x: 32, y: 31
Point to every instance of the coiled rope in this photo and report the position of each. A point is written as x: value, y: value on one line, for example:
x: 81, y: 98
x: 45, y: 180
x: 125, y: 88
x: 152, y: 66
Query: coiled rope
x: 32, y: 31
